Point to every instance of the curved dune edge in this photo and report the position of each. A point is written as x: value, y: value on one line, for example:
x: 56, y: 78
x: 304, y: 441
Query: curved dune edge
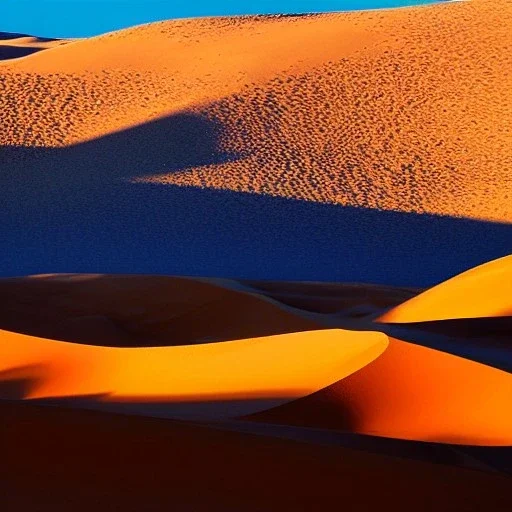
x: 20, y: 46
x: 483, y: 291
x: 201, y: 381
x: 135, y: 310
x: 415, y: 393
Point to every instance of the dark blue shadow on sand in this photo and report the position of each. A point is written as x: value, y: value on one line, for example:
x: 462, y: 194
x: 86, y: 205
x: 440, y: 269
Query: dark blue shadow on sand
x: 76, y: 210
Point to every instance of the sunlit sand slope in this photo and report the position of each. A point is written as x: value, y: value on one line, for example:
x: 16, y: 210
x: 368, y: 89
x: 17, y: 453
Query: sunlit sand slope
x: 412, y: 392
x: 405, y: 110
x: 57, y: 459
x: 201, y: 381
x: 484, y: 291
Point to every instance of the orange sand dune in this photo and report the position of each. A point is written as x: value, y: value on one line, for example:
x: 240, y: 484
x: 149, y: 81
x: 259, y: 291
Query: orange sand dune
x: 412, y: 392
x: 212, y: 380
x: 57, y: 459
x: 405, y: 109
x: 344, y: 299
x: 134, y: 310
x: 14, y: 46
x: 483, y: 291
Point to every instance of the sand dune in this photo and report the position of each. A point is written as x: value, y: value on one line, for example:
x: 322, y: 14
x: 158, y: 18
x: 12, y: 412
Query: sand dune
x: 141, y: 310
x: 364, y: 146
x: 484, y: 291
x: 412, y: 392
x: 408, y: 392
x: 210, y: 380
x: 15, y: 46
x: 407, y: 109
x: 101, y: 461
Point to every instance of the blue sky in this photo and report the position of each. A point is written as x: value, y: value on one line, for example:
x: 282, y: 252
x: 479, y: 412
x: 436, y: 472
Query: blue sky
x: 80, y: 18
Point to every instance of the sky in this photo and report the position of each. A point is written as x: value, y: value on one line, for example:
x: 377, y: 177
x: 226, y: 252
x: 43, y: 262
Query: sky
x: 83, y: 18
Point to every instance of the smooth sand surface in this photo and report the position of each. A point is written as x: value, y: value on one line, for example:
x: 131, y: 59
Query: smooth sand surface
x: 210, y: 380
x: 412, y: 392
x: 57, y: 459
x: 484, y: 291
x: 132, y: 310
x: 15, y: 46
x: 408, y: 391
x: 404, y: 110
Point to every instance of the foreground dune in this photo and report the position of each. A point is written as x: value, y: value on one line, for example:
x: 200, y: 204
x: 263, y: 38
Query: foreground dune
x: 201, y: 381
x: 484, y: 291
x: 97, y: 461
x: 404, y: 110
x: 405, y: 391
x: 412, y: 392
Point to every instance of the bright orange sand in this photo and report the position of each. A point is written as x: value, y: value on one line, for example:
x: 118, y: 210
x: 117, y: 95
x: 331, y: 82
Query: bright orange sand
x: 403, y: 109
x: 255, y: 373
x: 62, y: 459
x: 407, y: 392
x: 484, y: 291
x: 412, y: 392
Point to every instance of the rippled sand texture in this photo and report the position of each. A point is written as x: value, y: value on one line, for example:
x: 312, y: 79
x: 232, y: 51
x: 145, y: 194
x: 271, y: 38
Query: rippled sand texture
x: 404, y: 110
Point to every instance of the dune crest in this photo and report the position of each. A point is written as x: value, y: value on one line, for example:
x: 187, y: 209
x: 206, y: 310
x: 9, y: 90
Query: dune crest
x: 17, y: 46
x: 201, y: 381
x: 407, y: 109
x: 412, y: 392
x: 483, y: 291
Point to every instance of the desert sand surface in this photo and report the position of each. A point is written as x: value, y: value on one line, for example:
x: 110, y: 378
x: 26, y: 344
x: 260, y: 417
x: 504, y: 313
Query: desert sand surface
x: 361, y: 129
x: 202, y: 381
x: 484, y: 291
x: 259, y: 263
x: 412, y: 392
x: 407, y: 109
x: 386, y: 386
x: 169, y: 460
x: 15, y: 46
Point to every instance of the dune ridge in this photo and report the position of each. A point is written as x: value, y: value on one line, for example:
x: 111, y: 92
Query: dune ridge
x: 17, y: 46
x: 407, y: 111
x: 484, y: 291
x: 411, y: 392
x: 249, y: 372
x: 404, y: 391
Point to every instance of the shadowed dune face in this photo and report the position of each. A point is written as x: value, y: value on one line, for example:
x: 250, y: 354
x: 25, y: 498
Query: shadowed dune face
x: 484, y: 291
x: 412, y: 392
x: 164, y: 468
x: 139, y: 310
x: 109, y: 144
x: 407, y: 111
x: 14, y: 46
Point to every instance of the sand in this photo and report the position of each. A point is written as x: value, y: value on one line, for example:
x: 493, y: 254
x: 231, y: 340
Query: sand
x: 412, y: 392
x: 16, y: 46
x: 202, y: 381
x: 101, y: 461
x: 483, y: 291
x: 141, y: 311
x: 335, y: 146
x: 407, y: 109
x: 404, y: 391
